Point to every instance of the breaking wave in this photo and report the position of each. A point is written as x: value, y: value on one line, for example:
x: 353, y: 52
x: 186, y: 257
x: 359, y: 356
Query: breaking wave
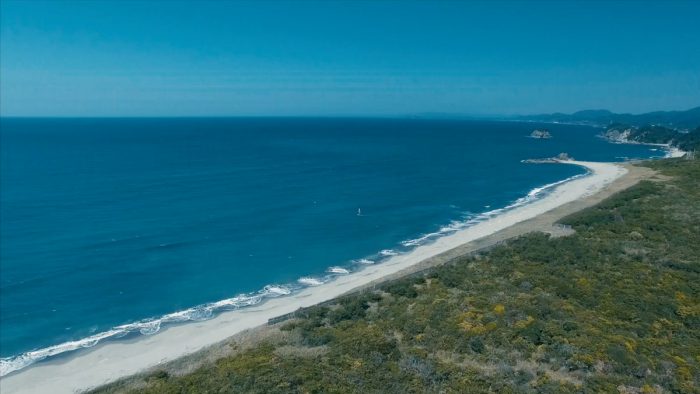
x: 338, y: 270
x: 144, y: 327
x: 456, y: 225
x: 207, y: 311
x: 310, y: 281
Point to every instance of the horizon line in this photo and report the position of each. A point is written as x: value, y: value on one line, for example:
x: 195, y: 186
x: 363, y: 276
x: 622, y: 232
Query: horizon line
x: 415, y: 115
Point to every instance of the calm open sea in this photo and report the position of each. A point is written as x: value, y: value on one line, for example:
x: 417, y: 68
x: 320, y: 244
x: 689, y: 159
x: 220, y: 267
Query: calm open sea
x: 107, y: 223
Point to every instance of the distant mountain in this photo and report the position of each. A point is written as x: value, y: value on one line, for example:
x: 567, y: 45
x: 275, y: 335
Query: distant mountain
x: 689, y: 119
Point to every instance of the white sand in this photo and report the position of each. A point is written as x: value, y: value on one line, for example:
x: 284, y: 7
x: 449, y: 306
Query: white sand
x: 114, y: 360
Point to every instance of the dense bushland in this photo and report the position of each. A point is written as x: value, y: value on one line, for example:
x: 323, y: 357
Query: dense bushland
x: 613, y: 308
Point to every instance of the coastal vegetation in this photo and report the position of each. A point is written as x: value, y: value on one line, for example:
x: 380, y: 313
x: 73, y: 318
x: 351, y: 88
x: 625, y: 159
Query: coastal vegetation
x: 614, y: 307
x: 688, y: 141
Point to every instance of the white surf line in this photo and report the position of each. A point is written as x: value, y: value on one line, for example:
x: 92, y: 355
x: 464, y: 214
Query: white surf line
x: 113, y: 360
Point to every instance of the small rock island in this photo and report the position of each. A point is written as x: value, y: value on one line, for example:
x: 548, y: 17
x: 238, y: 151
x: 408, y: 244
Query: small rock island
x: 556, y: 159
x: 541, y: 134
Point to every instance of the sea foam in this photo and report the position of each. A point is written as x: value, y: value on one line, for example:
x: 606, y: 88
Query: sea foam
x: 338, y: 270
x: 144, y: 327
x: 473, y: 219
x: 207, y: 311
x: 310, y: 281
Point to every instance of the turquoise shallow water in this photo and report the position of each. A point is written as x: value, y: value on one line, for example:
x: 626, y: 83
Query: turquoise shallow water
x: 113, y: 222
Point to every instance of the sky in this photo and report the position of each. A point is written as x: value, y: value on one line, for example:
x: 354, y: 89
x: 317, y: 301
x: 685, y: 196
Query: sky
x: 362, y: 58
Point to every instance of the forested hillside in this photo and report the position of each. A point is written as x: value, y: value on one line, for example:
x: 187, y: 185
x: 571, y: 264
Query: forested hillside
x: 686, y: 141
x: 688, y: 119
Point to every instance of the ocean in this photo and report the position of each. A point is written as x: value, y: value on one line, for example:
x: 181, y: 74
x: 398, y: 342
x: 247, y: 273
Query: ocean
x: 118, y: 227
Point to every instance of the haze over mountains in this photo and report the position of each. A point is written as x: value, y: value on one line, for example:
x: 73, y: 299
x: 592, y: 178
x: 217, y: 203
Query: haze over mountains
x: 676, y: 119
x: 682, y: 120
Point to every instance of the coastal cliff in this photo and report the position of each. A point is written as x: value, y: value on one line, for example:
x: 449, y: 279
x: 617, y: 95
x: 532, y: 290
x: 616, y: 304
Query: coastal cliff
x: 687, y: 141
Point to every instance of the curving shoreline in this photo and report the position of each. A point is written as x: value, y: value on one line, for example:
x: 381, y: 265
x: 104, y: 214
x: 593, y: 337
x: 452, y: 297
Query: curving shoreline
x: 206, y: 311
x: 153, y: 325
x: 111, y: 361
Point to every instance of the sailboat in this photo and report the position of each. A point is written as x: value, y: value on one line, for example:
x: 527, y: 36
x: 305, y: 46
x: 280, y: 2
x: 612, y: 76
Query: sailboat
x: 359, y: 212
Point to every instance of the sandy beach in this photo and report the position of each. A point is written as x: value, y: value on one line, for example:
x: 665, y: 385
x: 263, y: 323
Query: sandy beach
x: 112, y: 360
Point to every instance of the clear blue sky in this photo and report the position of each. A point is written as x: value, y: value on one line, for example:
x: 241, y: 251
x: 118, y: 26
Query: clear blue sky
x: 162, y: 58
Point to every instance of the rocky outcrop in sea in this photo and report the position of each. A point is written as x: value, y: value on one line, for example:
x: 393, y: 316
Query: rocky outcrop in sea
x: 542, y: 134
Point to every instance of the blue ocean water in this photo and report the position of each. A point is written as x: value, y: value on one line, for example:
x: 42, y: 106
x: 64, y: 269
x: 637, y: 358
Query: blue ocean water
x: 107, y: 222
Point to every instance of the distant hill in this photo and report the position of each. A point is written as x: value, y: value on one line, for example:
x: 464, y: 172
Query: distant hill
x: 689, y: 119
x: 623, y: 133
